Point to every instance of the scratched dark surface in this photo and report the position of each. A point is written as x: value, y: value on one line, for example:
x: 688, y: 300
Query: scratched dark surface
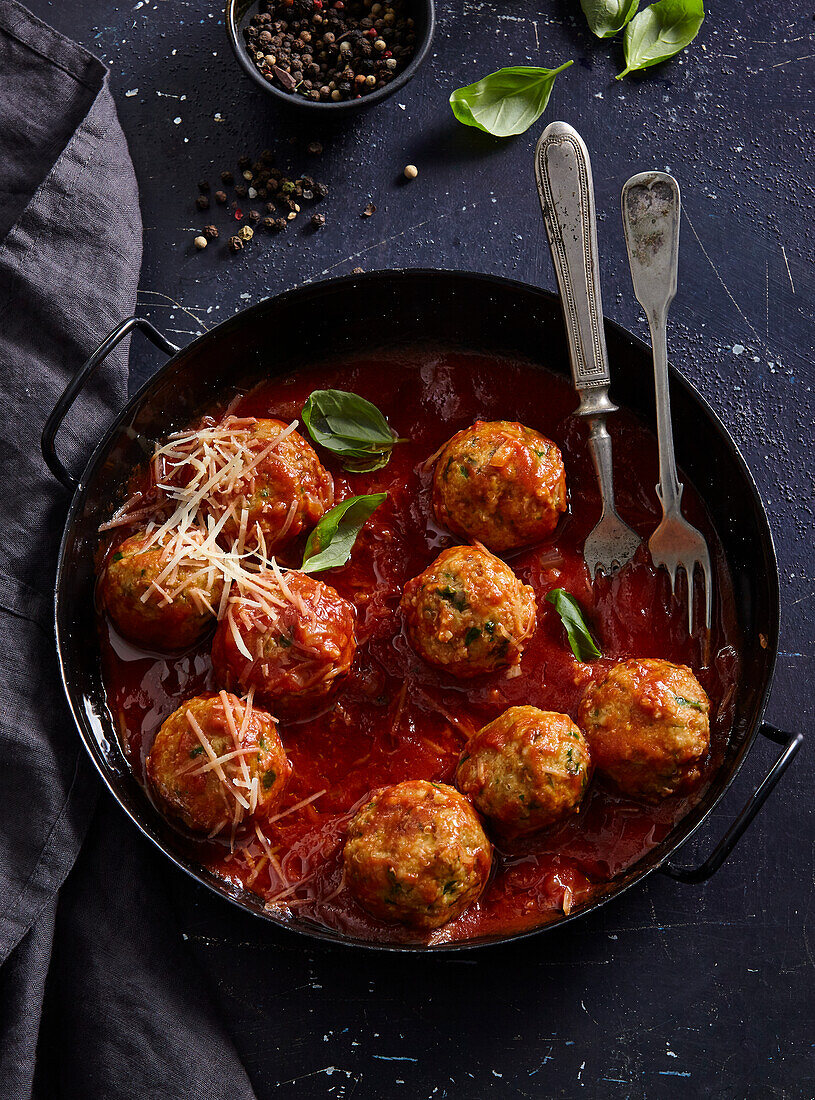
x: 671, y: 990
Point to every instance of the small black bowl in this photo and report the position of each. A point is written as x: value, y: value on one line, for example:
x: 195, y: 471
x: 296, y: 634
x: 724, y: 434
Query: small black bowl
x: 238, y: 13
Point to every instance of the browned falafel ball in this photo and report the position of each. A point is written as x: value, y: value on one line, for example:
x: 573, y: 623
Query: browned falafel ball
x: 647, y: 725
x: 290, y: 637
x: 468, y: 613
x: 416, y: 853
x: 500, y: 483
x: 526, y: 770
x: 161, y: 594
x: 217, y: 761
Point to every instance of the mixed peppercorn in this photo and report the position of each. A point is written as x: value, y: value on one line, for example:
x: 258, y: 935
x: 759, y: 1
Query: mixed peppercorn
x: 330, y: 50
x: 280, y: 195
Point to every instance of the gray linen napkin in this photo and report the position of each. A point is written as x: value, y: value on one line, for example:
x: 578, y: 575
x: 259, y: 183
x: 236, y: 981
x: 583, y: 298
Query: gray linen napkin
x: 98, y: 996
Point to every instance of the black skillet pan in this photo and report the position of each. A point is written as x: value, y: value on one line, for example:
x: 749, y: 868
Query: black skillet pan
x: 477, y: 312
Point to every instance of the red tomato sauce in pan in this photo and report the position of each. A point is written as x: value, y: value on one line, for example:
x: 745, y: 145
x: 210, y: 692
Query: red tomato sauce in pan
x: 395, y: 717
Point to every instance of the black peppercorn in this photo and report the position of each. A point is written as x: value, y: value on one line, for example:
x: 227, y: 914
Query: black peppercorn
x: 203, y: 187
x: 220, y: 197
x: 318, y: 221
x: 320, y: 191
x: 227, y: 178
x: 235, y: 244
x: 244, y: 162
x: 202, y: 202
x: 267, y: 224
x: 241, y: 190
x: 253, y: 216
x: 210, y: 232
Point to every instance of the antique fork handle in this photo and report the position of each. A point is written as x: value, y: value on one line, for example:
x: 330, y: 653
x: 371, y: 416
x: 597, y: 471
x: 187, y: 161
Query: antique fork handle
x: 566, y: 191
x: 652, y: 206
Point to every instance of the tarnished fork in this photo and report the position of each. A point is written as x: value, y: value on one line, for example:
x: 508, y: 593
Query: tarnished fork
x: 651, y: 211
x: 566, y: 191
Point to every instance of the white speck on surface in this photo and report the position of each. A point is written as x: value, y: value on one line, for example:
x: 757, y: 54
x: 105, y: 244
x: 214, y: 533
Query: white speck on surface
x: 218, y: 116
x: 131, y: 92
x: 598, y: 95
x: 402, y: 107
x: 177, y: 120
x: 738, y: 349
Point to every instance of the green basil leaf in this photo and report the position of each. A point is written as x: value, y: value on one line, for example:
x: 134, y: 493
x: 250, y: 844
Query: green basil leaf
x: 608, y: 17
x: 660, y: 32
x: 506, y: 102
x: 583, y: 645
x: 350, y: 427
x: 332, y: 540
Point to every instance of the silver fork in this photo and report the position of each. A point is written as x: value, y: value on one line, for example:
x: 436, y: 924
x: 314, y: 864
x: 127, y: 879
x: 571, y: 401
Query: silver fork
x: 566, y: 191
x: 651, y: 211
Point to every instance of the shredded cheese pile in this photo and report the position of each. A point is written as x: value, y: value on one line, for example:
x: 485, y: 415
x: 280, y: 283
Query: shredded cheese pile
x: 205, y: 478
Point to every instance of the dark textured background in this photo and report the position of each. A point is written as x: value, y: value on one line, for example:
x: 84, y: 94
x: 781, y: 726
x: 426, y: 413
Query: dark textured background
x: 672, y: 990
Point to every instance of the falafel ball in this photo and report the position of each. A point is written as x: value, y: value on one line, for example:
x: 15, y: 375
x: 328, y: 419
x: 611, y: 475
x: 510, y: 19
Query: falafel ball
x: 500, y: 483
x: 526, y: 770
x: 290, y: 638
x: 217, y: 761
x: 416, y: 853
x: 161, y: 595
x: 468, y: 613
x: 647, y: 725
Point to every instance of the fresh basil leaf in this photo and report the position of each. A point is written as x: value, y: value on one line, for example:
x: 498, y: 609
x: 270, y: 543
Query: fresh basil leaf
x: 661, y: 31
x: 350, y: 427
x: 332, y: 540
x: 506, y: 102
x: 608, y: 17
x: 580, y: 637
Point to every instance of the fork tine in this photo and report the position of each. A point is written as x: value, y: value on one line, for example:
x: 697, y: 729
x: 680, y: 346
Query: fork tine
x: 689, y: 571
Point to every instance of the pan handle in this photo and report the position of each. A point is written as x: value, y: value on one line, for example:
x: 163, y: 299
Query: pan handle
x: 52, y: 424
x: 791, y: 743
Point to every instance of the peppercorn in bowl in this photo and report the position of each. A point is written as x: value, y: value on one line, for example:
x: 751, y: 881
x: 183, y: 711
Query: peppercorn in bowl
x: 330, y: 55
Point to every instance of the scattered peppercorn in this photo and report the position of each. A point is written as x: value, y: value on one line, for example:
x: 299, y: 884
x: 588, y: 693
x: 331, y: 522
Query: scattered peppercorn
x: 203, y: 187
x: 200, y: 242
x: 357, y: 270
x: 253, y: 216
x: 241, y: 190
x: 202, y: 202
x: 317, y: 221
x: 369, y: 210
x: 246, y: 233
x: 244, y: 162
x: 220, y: 197
x: 314, y: 148
x: 235, y: 244
x: 330, y: 50
x: 227, y: 178
x: 210, y: 232
x: 411, y: 171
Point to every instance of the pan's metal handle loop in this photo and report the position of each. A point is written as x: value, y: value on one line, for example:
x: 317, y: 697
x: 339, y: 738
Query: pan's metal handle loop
x: 52, y: 424
x: 792, y: 743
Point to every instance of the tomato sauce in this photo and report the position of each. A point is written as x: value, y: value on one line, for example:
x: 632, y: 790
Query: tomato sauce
x: 397, y: 718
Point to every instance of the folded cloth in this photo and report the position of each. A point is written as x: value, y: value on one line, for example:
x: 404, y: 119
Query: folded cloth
x: 124, y: 1014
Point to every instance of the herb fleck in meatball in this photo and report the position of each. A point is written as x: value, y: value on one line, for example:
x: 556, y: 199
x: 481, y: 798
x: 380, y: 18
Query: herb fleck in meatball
x: 416, y: 853
x: 468, y: 613
x: 526, y: 770
x: 161, y: 595
x: 647, y: 726
x: 289, y: 637
x: 500, y: 483
x: 217, y: 761
x: 257, y: 466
